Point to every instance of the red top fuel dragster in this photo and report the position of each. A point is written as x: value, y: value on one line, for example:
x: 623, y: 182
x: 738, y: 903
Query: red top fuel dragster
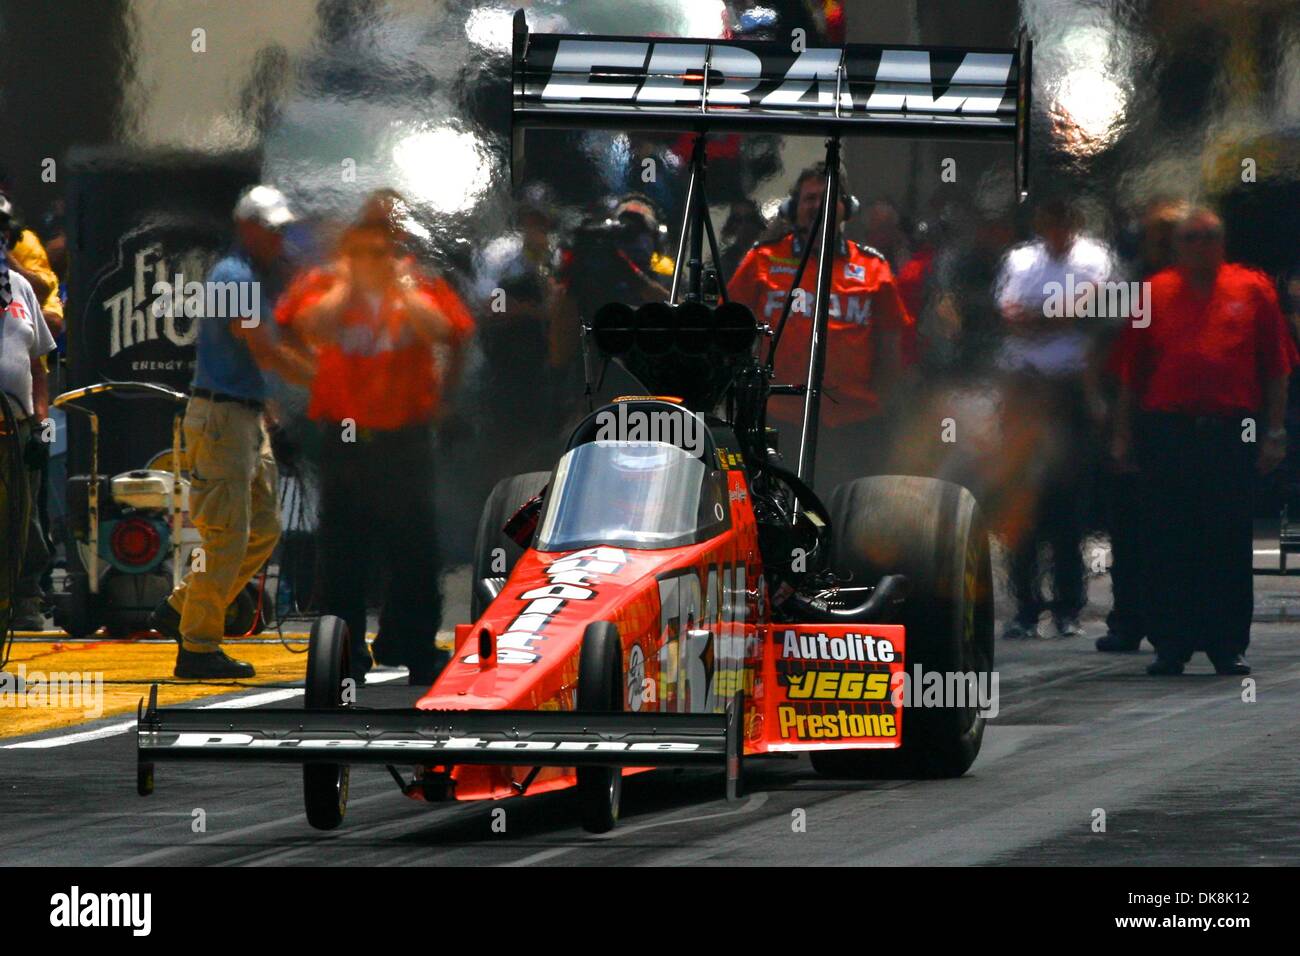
x: 672, y: 595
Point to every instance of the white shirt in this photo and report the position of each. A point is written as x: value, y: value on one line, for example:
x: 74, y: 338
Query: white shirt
x: 1027, y: 273
x: 23, y: 337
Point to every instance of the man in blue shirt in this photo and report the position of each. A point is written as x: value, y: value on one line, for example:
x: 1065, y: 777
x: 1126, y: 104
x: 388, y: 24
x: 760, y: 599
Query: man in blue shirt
x: 232, y: 473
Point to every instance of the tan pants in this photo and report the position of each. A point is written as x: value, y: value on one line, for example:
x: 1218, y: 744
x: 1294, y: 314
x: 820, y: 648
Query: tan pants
x: 233, y: 505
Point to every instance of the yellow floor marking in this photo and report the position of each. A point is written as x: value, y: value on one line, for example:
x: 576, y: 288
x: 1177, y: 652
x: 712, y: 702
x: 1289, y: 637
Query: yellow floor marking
x: 73, y: 682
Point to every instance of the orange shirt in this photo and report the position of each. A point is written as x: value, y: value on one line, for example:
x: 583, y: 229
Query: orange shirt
x: 373, y: 368
x: 1206, y: 354
x: 864, y: 302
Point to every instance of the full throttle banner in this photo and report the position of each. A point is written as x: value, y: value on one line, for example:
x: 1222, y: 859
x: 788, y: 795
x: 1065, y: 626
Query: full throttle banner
x: 138, y: 220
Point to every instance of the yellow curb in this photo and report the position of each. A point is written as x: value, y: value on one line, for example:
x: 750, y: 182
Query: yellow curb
x: 69, y: 683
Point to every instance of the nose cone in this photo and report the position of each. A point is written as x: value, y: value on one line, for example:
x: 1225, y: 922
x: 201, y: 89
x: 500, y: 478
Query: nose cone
x: 537, y: 624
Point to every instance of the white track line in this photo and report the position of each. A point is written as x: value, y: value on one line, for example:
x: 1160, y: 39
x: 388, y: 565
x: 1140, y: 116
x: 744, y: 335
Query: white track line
x: 112, y: 730
x: 253, y: 700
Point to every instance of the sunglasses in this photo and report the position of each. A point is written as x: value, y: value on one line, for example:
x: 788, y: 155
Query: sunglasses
x: 1206, y: 235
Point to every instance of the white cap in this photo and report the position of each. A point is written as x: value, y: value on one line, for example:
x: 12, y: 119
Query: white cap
x: 265, y: 205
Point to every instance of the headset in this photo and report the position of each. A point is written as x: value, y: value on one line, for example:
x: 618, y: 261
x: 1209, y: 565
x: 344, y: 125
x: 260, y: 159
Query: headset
x: 654, y: 223
x: 818, y: 170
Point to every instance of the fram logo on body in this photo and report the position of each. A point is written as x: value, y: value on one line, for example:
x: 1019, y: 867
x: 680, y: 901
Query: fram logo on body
x: 572, y: 578
x: 900, y: 80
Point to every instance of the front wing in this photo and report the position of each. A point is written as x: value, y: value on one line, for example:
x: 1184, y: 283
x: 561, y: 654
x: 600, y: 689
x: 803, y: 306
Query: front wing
x: 441, y: 738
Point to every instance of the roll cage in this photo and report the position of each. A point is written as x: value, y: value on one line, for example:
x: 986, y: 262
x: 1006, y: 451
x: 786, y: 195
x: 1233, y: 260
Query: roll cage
x: 734, y: 86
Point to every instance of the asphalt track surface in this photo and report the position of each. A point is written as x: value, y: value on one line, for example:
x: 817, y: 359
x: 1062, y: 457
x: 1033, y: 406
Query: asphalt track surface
x: 1186, y: 772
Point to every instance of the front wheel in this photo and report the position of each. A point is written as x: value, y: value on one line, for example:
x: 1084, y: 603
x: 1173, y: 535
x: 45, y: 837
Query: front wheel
x: 600, y: 690
x: 325, y: 785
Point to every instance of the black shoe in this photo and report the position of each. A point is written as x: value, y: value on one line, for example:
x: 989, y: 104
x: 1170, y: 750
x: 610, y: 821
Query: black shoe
x: 1165, y: 667
x: 387, y: 651
x: 359, y: 662
x: 1112, y: 643
x: 28, y: 615
x: 1231, y: 666
x: 166, y: 620
x: 210, y: 665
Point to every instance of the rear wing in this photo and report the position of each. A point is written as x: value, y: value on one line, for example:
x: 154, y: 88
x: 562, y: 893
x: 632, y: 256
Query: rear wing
x: 641, y: 83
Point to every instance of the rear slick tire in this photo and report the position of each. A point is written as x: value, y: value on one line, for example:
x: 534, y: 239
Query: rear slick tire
x: 600, y: 690
x: 931, y: 531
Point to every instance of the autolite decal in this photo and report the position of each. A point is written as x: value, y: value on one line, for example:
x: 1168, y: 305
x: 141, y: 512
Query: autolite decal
x: 572, y: 578
x: 851, y: 647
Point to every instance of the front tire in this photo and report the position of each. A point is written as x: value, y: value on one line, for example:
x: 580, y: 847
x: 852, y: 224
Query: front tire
x: 600, y: 690
x: 933, y: 532
x: 325, y: 785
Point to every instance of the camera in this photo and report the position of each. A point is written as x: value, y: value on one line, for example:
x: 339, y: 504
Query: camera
x: 613, y: 259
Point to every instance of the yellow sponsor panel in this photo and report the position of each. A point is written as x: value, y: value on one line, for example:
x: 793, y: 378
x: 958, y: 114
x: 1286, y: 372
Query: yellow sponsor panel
x: 838, y: 725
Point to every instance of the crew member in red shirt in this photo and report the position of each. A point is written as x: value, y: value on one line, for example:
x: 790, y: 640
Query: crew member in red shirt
x: 372, y: 324
x: 1202, y: 403
x: 869, y: 333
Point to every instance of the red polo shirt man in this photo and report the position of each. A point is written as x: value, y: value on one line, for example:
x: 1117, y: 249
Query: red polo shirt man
x: 372, y: 325
x: 1202, y: 404
x: 869, y: 334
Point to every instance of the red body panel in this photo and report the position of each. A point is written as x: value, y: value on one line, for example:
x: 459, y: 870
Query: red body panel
x: 656, y: 598
x: 694, y: 623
